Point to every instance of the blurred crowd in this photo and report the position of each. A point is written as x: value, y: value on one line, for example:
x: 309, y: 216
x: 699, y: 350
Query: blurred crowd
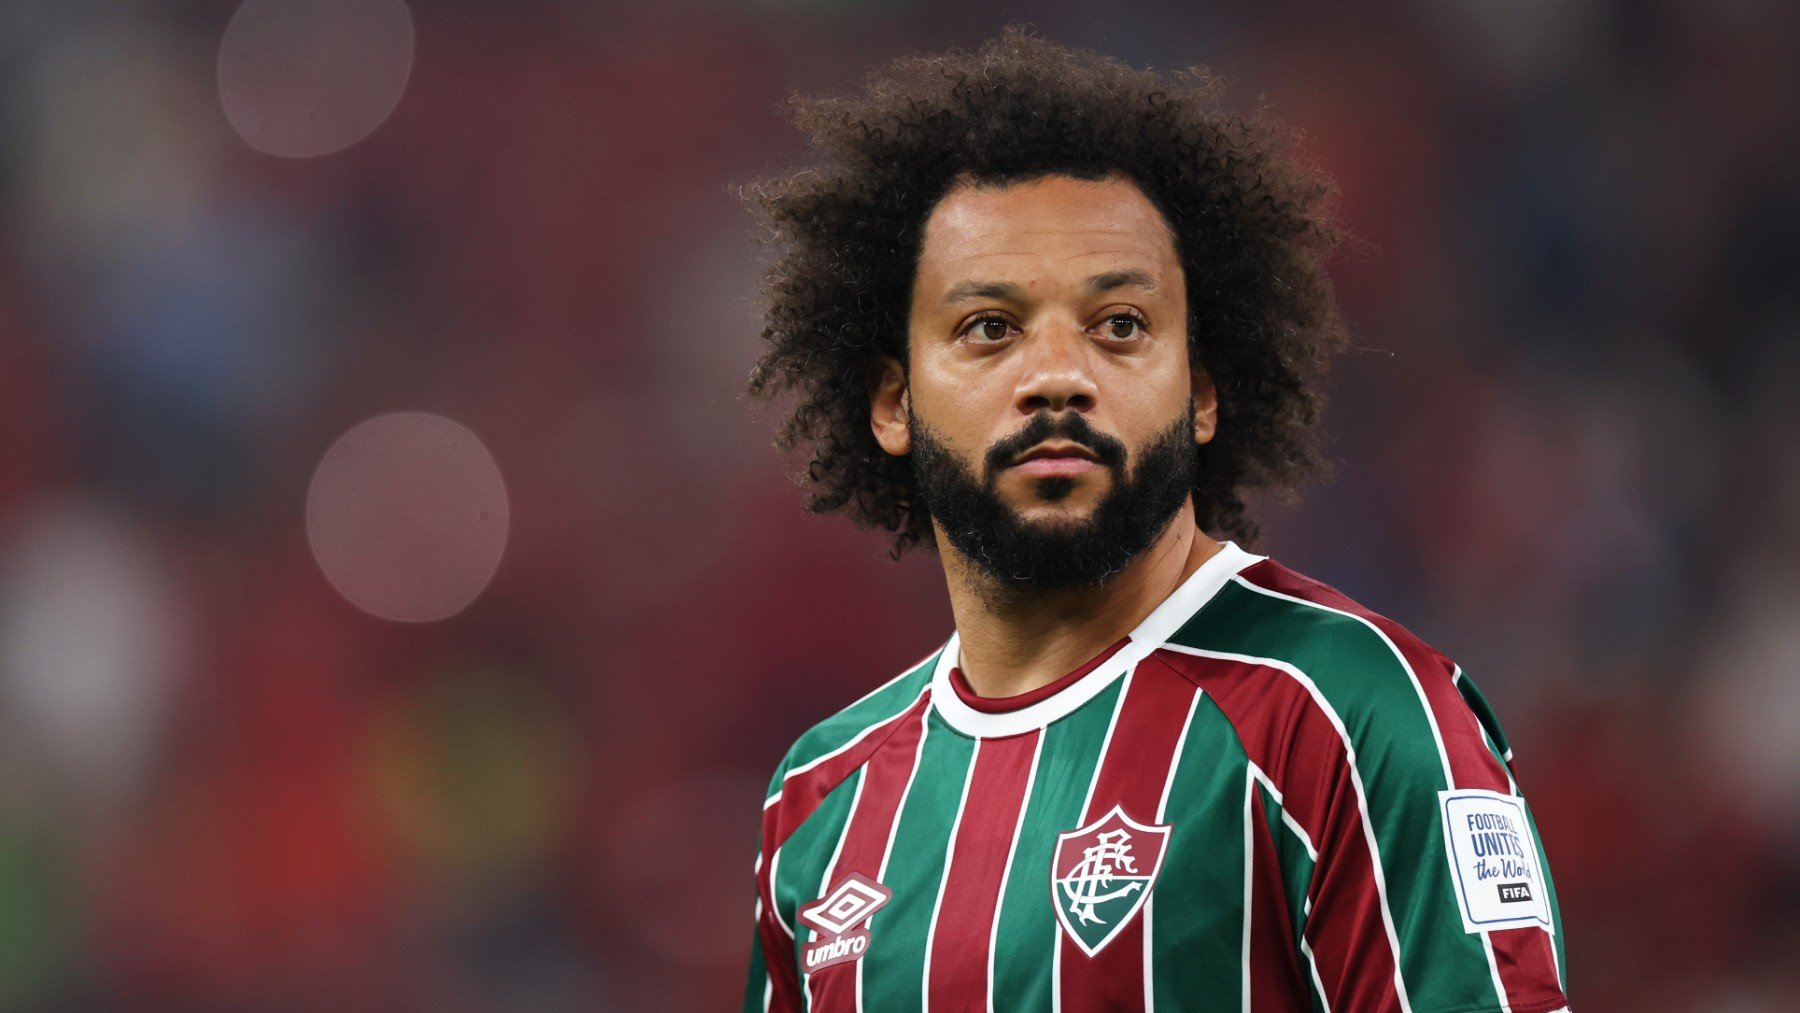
x: 1565, y: 442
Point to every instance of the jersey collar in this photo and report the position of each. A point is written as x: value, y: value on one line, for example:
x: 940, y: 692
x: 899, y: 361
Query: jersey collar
x: 1157, y: 627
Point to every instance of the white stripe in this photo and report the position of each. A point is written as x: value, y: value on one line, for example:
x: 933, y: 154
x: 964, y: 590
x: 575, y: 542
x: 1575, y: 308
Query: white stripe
x: 776, y: 857
x: 937, y: 906
x: 1249, y: 876
x: 893, y: 829
x: 838, y: 849
x: 1149, y: 902
x: 1424, y: 703
x: 768, y: 976
x: 1437, y: 736
x: 1286, y: 817
x: 1175, y: 610
x: 1513, y: 788
x: 1087, y: 801
x: 1162, y: 805
x: 774, y: 867
x: 900, y: 807
x: 1313, y: 963
x: 1356, y: 782
x: 1257, y: 776
x: 830, y: 864
x: 846, y: 747
x: 1175, y: 761
x: 1487, y: 942
x: 1012, y: 849
x: 911, y: 670
x: 1494, y: 747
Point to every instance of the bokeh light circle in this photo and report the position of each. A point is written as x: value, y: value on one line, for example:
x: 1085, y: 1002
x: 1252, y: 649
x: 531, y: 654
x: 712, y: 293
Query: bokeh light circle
x: 407, y: 516
x: 302, y: 78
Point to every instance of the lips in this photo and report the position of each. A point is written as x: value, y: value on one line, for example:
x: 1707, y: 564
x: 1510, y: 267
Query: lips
x: 1044, y: 467
x: 1053, y: 459
x: 1056, y: 450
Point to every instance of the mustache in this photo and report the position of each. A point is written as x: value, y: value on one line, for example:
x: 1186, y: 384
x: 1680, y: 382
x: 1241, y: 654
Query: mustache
x: 1071, y: 426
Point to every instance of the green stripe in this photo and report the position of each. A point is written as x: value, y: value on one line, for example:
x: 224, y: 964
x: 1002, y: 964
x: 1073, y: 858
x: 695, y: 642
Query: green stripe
x: 894, y: 968
x: 1484, y: 714
x: 1360, y: 677
x: 1550, y: 890
x: 1028, y: 934
x: 759, y: 976
x: 1495, y: 740
x: 1297, y: 871
x: 806, y: 855
x: 1197, y: 908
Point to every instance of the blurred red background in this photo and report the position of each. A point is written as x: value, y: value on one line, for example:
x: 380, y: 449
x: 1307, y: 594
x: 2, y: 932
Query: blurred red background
x: 1566, y: 444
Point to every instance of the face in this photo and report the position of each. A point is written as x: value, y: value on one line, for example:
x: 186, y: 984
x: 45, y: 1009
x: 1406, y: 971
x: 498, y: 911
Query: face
x: 1050, y: 409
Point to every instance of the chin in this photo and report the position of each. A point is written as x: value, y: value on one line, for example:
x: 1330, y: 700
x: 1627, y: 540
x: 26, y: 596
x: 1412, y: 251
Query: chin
x: 1082, y: 492
x: 1056, y: 518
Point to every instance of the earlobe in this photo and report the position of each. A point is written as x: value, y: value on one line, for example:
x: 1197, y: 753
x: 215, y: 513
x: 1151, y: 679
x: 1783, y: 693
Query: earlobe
x: 890, y: 408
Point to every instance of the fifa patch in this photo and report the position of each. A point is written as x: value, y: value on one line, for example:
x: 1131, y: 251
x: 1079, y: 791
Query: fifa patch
x: 838, y: 919
x: 1493, y: 861
x: 1101, y: 874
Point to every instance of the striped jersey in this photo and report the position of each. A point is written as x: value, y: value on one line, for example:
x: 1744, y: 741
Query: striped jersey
x: 1265, y: 797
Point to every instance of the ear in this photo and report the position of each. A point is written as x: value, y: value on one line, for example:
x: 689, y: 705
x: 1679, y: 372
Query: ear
x: 1206, y: 406
x: 890, y: 407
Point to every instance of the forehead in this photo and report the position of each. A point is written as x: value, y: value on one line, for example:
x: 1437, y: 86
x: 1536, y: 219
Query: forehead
x: 1042, y: 224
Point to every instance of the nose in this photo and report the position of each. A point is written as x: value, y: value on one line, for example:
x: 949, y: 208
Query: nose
x: 1056, y: 371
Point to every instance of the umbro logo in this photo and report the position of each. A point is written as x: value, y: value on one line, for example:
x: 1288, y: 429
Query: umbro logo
x: 838, y: 919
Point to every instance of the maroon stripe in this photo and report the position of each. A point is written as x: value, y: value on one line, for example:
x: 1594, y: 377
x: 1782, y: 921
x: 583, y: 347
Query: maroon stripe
x: 1524, y: 957
x: 866, y: 842
x: 984, y: 837
x: 1276, y: 980
x: 802, y: 793
x: 800, y: 798
x: 778, y: 951
x: 1297, y: 746
x: 1131, y: 775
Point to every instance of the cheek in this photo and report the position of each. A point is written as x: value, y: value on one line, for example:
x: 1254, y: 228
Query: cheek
x: 1144, y: 408
x: 964, y: 408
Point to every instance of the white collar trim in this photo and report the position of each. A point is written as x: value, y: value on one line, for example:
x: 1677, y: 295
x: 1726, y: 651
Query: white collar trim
x: 1157, y: 627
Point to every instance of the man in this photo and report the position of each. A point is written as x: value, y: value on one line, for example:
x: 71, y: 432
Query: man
x: 1055, y: 315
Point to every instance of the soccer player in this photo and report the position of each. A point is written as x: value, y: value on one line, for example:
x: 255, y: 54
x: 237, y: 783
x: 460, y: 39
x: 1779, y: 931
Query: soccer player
x: 1052, y: 316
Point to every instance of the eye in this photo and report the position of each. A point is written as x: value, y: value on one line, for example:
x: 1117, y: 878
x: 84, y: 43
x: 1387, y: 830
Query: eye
x: 1124, y: 326
x: 987, y: 329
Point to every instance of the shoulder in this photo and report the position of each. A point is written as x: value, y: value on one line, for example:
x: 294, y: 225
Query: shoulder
x: 1361, y: 676
x: 1272, y: 613
x: 854, y: 728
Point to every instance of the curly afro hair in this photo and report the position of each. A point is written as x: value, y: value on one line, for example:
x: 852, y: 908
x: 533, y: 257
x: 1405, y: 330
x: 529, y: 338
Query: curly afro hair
x: 1252, y: 224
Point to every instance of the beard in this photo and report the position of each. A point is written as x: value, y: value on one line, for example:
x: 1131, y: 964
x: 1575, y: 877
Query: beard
x: 1018, y: 554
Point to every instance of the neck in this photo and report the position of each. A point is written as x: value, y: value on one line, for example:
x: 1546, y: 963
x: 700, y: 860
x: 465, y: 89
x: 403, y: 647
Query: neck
x: 1014, y: 640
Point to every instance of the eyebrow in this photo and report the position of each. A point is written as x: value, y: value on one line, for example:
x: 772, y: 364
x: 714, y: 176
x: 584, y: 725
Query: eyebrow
x: 1015, y: 292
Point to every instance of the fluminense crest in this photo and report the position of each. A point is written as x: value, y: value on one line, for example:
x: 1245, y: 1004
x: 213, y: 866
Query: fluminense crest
x: 1101, y: 874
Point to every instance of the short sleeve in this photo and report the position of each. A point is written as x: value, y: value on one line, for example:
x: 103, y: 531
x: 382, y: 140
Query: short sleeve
x: 1430, y: 868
